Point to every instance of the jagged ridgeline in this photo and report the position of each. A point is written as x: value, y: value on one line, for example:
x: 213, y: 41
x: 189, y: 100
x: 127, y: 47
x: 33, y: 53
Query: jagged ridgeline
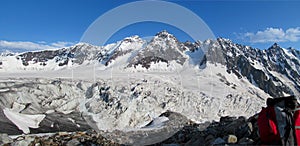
x: 128, y: 84
x: 274, y: 70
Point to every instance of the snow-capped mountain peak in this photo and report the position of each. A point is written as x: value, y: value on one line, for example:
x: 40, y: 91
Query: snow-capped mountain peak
x: 164, y: 48
x: 165, y: 35
x: 134, y: 38
x: 265, y: 69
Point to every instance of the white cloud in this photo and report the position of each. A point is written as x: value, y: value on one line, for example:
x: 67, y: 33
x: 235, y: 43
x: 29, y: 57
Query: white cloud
x: 293, y: 34
x: 273, y: 35
x: 61, y: 44
x: 31, y: 46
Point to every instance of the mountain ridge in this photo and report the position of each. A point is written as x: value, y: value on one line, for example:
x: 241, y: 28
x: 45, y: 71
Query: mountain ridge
x: 257, y: 66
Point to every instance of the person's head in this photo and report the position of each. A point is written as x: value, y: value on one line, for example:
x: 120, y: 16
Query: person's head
x: 291, y: 102
x: 270, y: 102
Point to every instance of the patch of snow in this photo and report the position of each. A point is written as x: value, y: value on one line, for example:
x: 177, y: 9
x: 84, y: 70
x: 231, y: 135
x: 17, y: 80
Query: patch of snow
x: 258, y: 65
x: 288, y: 53
x: 24, y: 121
x: 252, y: 81
x: 17, y: 107
x: 72, y: 120
x: 50, y: 111
x: 67, y: 112
x: 158, y: 122
x: 286, y: 81
x: 286, y: 94
x: 229, y: 54
x: 4, y: 90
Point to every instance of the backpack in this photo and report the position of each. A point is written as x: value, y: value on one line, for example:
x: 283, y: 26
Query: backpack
x: 276, y: 122
x: 267, y: 126
x: 297, y: 124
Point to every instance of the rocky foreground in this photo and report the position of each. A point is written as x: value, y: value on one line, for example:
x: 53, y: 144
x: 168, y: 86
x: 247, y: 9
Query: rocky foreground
x: 228, y: 131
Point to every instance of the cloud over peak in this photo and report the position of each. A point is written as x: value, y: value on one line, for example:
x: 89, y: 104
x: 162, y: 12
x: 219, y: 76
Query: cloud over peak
x: 273, y: 35
x: 32, y: 46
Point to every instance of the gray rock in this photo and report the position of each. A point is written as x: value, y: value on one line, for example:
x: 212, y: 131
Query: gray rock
x: 4, y: 138
x: 26, y: 141
x: 147, y: 137
x: 235, y: 126
x: 209, y: 139
x: 73, y: 142
x: 219, y: 141
x: 249, y: 128
x: 196, y: 141
x: 246, y: 141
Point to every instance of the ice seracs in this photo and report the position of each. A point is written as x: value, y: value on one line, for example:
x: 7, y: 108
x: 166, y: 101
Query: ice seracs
x: 126, y: 84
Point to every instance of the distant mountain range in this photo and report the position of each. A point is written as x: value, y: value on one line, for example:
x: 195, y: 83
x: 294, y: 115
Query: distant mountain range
x: 274, y: 70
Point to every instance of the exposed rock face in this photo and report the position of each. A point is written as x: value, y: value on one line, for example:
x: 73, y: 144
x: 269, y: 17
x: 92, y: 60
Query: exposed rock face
x: 79, y: 54
x: 260, y: 67
x: 164, y: 47
x: 76, y: 54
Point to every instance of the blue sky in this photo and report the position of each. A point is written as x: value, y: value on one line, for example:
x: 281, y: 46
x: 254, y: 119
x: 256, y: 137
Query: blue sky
x: 47, y: 24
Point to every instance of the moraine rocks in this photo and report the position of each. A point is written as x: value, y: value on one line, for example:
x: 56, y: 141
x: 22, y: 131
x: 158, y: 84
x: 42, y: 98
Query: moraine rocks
x: 228, y: 131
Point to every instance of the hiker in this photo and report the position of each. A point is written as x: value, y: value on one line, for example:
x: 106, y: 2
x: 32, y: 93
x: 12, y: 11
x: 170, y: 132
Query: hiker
x: 276, y: 122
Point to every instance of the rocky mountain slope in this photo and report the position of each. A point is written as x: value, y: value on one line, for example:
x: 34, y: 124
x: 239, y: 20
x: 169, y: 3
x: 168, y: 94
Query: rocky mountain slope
x: 274, y: 70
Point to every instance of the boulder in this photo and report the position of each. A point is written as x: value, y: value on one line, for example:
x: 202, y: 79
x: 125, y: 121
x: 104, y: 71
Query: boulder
x: 209, y: 139
x: 73, y: 142
x: 218, y: 141
x: 25, y: 141
x: 235, y: 126
x: 196, y: 141
x: 246, y: 141
x: 4, y: 138
x: 231, y: 139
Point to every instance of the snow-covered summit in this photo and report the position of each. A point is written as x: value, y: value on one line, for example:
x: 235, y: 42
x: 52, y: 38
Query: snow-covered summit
x: 163, y: 48
x: 165, y: 35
